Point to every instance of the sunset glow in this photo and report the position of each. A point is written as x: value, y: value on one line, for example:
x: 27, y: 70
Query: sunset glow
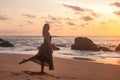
x: 66, y: 17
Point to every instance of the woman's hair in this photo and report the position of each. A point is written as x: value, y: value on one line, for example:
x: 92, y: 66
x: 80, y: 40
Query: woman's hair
x: 46, y: 28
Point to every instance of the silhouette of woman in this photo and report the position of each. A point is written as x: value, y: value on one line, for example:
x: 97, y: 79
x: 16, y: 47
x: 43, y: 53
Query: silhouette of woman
x: 44, y: 56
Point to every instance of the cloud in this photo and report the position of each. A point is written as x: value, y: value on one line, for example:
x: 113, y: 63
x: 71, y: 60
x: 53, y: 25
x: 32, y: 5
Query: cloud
x: 53, y: 18
x: 76, y: 8
x: 59, y: 21
x: 87, y: 18
x: 85, y: 11
x: 117, y: 4
x: 70, y: 23
x: 95, y: 14
x: 68, y: 19
x: 117, y: 13
x: 3, y: 17
x: 82, y: 25
x: 29, y: 22
x: 29, y: 15
x: 26, y: 23
x: 92, y: 13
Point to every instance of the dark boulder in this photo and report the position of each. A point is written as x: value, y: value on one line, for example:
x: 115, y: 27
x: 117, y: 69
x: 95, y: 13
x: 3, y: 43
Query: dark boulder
x: 94, y: 47
x: 54, y: 47
x: 82, y: 43
x: 83, y: 40
x: 117, y: 48
x: 6, y: 44
x: 1, y: 40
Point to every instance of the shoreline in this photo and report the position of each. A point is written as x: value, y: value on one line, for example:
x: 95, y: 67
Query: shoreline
x: 95, y: 60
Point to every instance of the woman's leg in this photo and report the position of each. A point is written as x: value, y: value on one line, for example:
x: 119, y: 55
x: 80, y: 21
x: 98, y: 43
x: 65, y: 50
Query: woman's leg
x: 42, y: 67
x: 51, y: 66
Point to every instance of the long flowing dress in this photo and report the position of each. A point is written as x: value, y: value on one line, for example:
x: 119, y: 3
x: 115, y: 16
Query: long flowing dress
x: 44, y: 55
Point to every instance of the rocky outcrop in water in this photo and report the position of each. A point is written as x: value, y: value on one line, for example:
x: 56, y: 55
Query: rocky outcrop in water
x: 4, y: 43
x: 83, y: 43
x: 104, y: 48
x: 1, y: 40
x: 55, y: 47
x: 117, y: 48
x: 61, y: 45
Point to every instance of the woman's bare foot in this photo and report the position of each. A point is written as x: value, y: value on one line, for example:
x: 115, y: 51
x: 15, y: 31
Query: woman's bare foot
x: 42, y: 73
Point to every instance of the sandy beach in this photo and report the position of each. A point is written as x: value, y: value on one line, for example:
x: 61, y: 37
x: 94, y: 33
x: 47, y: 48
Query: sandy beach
x: 65, y: 69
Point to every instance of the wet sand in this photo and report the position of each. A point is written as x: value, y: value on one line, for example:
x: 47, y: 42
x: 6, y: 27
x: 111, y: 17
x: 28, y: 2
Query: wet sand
x: 65, y: 69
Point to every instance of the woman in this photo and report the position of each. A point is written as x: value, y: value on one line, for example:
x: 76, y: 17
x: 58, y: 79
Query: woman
x: 44, y: 56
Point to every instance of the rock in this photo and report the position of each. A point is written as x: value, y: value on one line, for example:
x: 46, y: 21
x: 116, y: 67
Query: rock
x: 54, y: 47
x: 94, y: 47
x: 117, y: 48
x: 6, y: 44
x: 61, y: 45
x: 83, y: 40
x: 104, y: 48
x: 1, y: 40
x: 82, y: 43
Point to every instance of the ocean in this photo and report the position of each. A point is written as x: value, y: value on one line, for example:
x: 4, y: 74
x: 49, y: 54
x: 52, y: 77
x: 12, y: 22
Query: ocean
x: 29, y: 44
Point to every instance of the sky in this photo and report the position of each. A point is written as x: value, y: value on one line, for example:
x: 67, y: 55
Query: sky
x: 66, y: 17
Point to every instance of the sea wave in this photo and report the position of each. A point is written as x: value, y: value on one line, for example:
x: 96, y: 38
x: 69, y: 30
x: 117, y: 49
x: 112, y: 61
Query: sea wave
x: 30, y: 44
